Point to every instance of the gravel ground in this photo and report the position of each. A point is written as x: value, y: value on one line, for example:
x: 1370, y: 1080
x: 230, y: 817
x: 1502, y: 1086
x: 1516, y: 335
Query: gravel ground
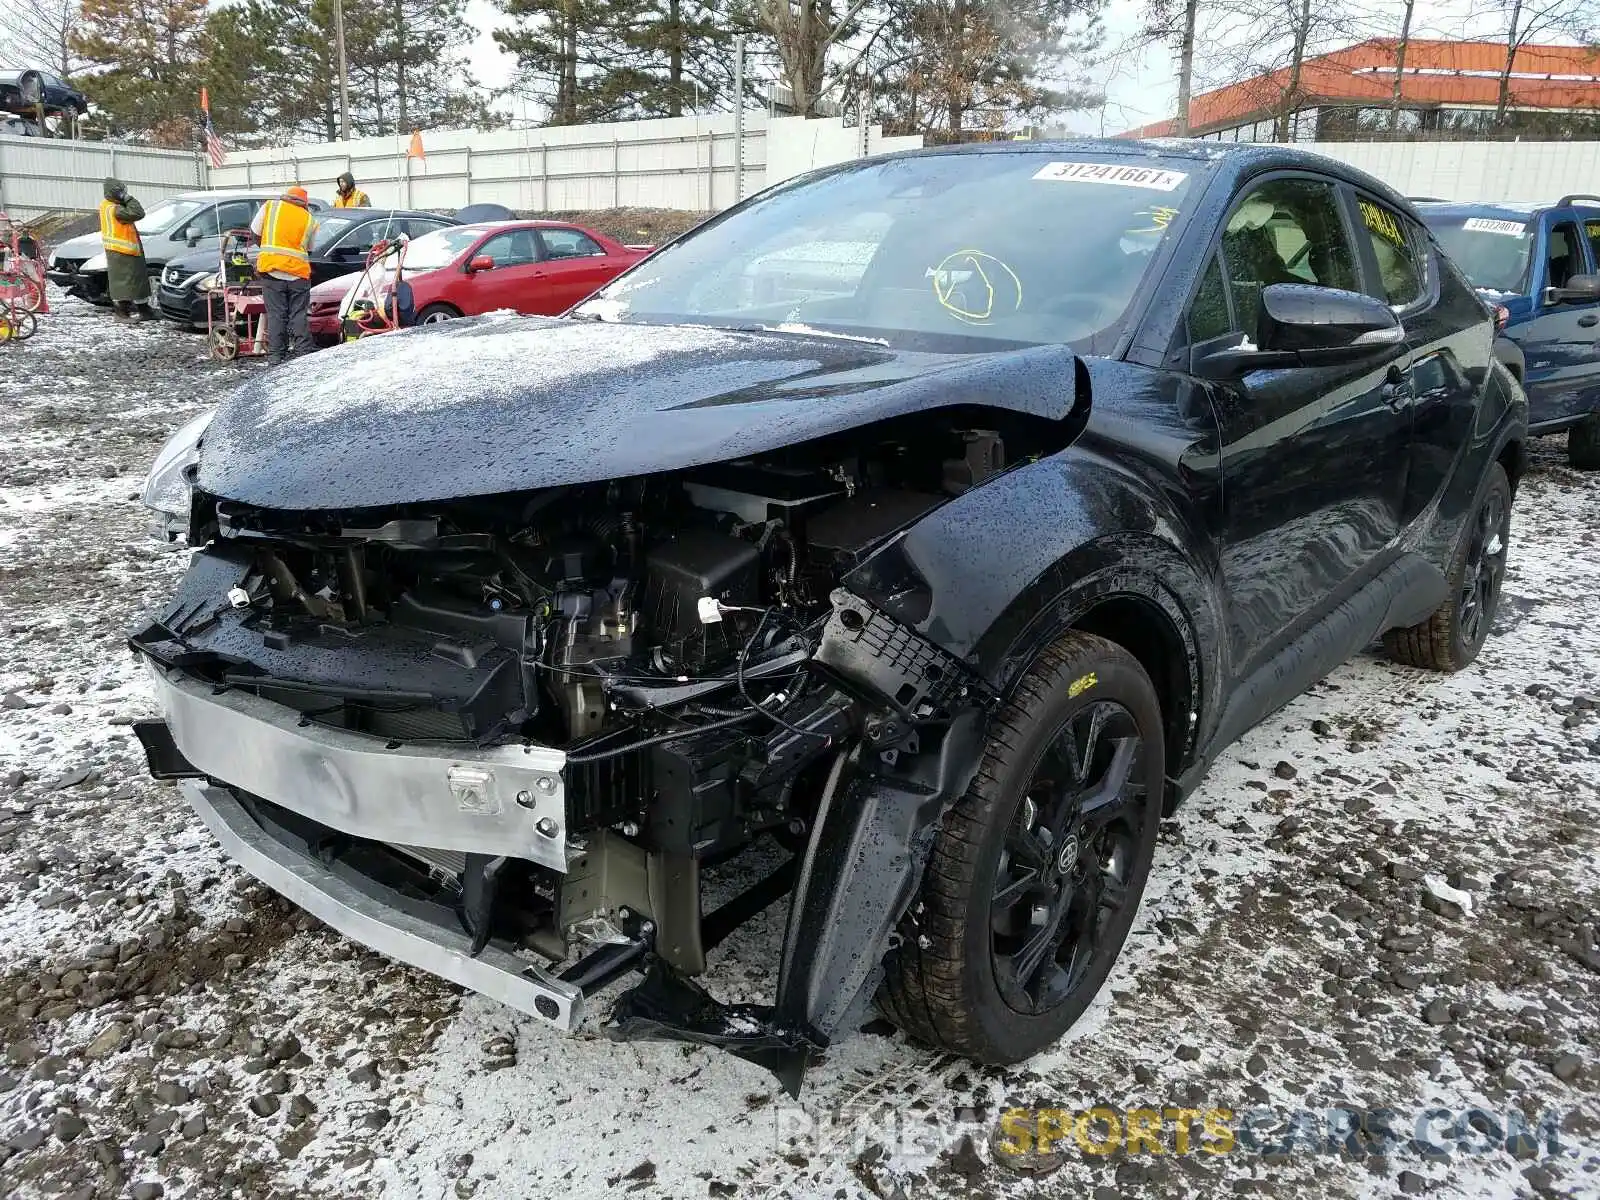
x: 1385, y: 898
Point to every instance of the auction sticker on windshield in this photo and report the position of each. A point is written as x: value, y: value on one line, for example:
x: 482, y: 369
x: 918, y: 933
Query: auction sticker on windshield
x: 1491, y: 225
x: 1120, y: 174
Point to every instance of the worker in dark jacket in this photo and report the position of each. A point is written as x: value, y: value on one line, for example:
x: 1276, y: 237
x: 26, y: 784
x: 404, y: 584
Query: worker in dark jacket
x: 350, y: 196
x: 127, y: 279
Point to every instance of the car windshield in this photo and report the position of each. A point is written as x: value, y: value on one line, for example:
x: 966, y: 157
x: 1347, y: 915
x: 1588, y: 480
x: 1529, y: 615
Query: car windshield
x: 1493, y: 251
x: 167, y: 215
x: 439, y: 248
x: 946, y: 252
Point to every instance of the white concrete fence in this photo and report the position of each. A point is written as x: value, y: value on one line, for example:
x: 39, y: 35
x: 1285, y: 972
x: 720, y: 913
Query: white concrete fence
x: 701, y: 164
x: 697, y: 163
x: 42, y: 175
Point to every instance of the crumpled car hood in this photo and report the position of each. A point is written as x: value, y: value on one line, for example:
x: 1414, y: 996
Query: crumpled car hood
x: 507, y: 404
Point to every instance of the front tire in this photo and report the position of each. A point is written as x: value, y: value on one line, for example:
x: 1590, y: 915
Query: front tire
x: 1451, y: 638
x: 1583, y: 444
x: 437, y: 314
x: 1036, y: 873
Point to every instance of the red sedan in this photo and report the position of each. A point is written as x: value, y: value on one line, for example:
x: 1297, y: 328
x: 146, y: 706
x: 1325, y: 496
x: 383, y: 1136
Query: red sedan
x: 538, y: 267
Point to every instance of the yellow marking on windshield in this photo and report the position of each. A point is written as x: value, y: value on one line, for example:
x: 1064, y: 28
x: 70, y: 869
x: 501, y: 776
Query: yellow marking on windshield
x: 957, y: 272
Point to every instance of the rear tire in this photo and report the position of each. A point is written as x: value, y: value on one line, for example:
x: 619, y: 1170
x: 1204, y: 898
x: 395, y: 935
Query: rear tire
x: 1451, y: 638
x: 1583, y: 444
x: 437, y: 314
x: 1042, y: 862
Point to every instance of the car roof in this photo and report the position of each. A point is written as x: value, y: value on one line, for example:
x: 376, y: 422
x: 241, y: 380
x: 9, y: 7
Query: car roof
x: 1512, y: 210
x: 1236, y: 158
x: 1456, y: 208
x: 391, y: 212
x: 524, y: 223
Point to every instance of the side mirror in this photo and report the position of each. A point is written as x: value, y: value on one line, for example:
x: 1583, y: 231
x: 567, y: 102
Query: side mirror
x: 482, y: 263
x: 1303, y: 325
x: 1580, y: 289
x: 189, y: 233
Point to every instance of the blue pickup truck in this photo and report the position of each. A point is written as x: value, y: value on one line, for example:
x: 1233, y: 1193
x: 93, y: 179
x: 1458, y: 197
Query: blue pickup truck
x: 1538, y: 265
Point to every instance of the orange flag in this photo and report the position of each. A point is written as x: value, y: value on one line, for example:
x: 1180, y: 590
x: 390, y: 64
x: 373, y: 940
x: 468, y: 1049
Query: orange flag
x: 416, y: 150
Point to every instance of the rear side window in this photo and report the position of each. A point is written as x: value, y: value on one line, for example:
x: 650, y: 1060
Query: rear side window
x: 1399, y: 269
x: 1591, y: 229
x: 569, y: 243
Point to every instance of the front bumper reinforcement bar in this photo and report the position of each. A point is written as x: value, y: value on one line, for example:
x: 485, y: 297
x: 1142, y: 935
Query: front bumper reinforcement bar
x: 437, y: 948
x: 491, y: 800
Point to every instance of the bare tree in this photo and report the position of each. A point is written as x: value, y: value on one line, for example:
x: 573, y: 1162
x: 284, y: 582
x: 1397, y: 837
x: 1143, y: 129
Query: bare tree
x: 1175, y: 23
x: 1400, y: 64
x: 804, y: 31
x: 1266, y: 44
x: 38, y: 33
x: 1527, y: 20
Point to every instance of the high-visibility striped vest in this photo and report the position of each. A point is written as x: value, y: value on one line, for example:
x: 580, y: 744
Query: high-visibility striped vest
x: 119, y: 237
x: 356, y: 199
x: 286, y: 230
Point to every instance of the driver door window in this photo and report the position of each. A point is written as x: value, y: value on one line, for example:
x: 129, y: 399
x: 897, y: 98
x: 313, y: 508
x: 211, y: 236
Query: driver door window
x: 359, y: 240
x: 514, y: 249
x: 202, y: 225
x: 1563, y: 255
x: 236, y: 214
x: 1286, y: 231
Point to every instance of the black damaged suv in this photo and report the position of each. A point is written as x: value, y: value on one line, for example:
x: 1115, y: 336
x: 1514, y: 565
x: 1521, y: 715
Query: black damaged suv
x: 942, y: 515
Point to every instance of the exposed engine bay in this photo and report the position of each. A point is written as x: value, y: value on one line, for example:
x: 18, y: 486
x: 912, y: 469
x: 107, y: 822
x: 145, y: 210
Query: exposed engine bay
x: 683, y: 639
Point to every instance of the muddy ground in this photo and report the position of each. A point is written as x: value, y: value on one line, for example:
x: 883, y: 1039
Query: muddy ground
x: 1384, y: 899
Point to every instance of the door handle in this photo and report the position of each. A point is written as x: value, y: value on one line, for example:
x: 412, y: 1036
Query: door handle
x: 1588, y: 320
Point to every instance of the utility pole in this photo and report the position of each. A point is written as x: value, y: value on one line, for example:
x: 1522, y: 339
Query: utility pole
x: 738, y: 117
x: 344, y: 73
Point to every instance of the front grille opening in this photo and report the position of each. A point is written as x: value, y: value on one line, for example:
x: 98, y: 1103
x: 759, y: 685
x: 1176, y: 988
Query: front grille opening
x: 396, y: 720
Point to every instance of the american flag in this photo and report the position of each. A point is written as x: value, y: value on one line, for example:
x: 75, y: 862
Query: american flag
x: 214, y: 150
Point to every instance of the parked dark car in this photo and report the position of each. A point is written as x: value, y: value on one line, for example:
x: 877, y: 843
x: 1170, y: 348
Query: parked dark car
x: 22, y: 90
x: 1538, y: 265
x: 952, y: 563
x: 341, y: 245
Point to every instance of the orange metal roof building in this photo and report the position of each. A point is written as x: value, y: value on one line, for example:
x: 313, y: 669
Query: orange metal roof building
x: 1437, y: 73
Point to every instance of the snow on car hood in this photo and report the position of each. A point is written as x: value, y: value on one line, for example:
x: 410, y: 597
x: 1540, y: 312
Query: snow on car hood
x: 85, y: 245
x: 507, y: 404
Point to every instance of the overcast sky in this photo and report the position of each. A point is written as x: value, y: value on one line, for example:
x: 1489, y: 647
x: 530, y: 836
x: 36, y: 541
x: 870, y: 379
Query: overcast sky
x: 1139, y: 84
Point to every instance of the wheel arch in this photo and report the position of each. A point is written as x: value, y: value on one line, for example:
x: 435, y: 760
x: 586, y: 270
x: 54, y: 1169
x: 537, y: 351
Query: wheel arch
x: 1513, y: 459
x: 1116, y: 558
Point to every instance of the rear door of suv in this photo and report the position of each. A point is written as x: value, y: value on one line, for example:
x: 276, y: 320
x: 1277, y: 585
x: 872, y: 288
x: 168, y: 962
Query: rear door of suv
x: 1561, y: 341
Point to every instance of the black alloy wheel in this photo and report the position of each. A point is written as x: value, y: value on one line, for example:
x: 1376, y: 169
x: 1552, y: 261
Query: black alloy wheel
x: 1066, y: 867
x: 1485, y: 567
x: 1453, y: 634
x: 1037, y: 871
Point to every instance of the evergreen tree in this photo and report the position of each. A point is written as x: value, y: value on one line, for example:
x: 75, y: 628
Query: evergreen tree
x: 150, y: 53
x: 606, y: 60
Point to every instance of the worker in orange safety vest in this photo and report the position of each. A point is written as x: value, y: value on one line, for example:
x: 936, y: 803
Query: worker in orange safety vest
x: 348, y: 194
x: 127, y: 279
x: 285, y: 228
